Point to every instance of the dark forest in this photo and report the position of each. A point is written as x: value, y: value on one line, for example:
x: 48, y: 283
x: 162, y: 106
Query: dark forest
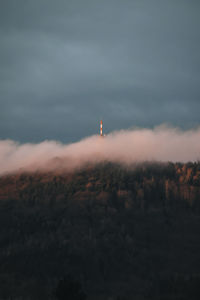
x: 102, y: 232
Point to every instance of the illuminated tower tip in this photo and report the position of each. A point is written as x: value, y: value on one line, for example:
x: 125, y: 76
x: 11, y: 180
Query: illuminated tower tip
x: 101, y: 128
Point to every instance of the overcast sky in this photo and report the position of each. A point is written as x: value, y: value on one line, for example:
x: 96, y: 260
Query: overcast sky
x: 66, y: 64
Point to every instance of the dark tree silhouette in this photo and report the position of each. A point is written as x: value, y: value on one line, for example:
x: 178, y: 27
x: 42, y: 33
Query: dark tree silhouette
x: 69, y: 288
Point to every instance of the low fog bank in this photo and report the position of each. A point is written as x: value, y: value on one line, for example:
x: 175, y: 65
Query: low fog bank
x: 126, y: 146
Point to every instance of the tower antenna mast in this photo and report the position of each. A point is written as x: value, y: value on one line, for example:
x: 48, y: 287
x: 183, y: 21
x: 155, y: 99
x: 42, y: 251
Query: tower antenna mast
x: 101, y: 128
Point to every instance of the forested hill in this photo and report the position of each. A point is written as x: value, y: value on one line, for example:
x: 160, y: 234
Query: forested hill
x: 147, y: 186
x: 125, y: 233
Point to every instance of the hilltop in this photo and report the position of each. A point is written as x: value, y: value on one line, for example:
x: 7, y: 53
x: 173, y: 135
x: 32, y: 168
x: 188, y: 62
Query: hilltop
x: 121, y: 231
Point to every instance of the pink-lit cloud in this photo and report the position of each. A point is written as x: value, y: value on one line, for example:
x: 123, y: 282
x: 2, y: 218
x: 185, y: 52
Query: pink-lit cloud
x: 126, y: 146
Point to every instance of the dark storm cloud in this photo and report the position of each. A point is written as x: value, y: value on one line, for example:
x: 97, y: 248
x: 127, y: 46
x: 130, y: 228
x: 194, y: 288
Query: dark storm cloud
x: 64, y: 65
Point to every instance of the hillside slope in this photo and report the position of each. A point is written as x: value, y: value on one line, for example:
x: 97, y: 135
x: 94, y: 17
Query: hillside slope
x: 122, y: 232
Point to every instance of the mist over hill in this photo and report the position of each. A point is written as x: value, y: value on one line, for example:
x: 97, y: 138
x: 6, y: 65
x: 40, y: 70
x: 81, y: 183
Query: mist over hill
x: 121, y: 232
x: 125, y: 147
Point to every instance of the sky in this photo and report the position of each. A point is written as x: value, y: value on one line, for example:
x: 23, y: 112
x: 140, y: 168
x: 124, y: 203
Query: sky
x: 67, y: 64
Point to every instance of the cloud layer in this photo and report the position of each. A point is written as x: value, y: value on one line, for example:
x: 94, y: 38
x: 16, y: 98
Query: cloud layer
x: 126, y: 146
x: 75, y: 62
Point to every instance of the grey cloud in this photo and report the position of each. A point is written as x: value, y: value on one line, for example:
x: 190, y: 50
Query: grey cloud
x: 66, y: 64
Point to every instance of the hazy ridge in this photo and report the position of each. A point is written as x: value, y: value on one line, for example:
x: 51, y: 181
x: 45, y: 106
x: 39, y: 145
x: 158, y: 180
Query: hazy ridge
x: 126, y: 147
